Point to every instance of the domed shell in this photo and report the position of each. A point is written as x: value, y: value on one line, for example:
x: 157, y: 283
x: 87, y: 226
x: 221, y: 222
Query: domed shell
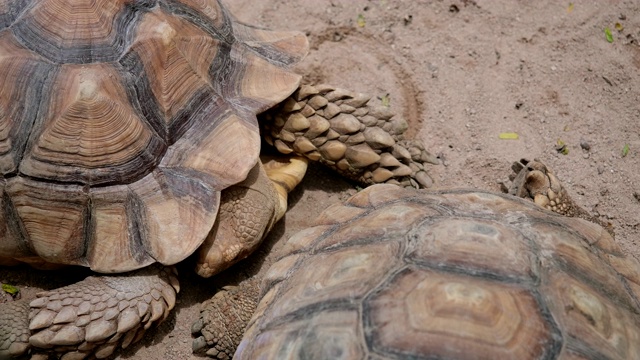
x: 396, y: 273
x: 122, y: 120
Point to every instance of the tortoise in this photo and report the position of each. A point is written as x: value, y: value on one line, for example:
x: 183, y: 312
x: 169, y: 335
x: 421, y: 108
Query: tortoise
x: 130, y: 141
x: 397, y: 273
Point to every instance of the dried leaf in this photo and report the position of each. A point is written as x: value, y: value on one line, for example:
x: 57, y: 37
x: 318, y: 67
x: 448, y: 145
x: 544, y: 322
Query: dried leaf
x: 619, y: 27
x: 360, y: 20
x: 625, y: 150
x: 608, y: 35
x: 386, y: 100
x: 570, y: 8
x: 508, y: 136
x: 10, y: 289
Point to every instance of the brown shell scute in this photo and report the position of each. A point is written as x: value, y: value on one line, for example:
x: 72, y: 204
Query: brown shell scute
x: 90, y: 133
x: 122, y: 120
x: 23, y: 73
x: 85, y: 31
x: 451, y: 274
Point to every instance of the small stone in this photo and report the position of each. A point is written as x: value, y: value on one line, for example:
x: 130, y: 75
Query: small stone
x: 585, y: 145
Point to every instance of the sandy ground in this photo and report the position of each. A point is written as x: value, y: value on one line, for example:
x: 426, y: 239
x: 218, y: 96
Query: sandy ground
x: 461, y: 73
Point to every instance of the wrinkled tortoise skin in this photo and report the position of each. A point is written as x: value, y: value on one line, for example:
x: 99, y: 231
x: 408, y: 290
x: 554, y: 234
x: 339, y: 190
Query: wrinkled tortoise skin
x: 399, y: 273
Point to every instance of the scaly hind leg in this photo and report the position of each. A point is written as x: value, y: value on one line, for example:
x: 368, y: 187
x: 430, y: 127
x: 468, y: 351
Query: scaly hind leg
x: 91, y: 317
x: 340, y: 129
x: 14, y: 329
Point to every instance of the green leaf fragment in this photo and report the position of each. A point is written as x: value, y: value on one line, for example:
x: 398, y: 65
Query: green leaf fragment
x: 386, y: 100
x: 608, y: 35
x: 561, y: 147
x: 10, y: 289
x: 508, y: 136
x: 625, y: 150
x: 360, y: 20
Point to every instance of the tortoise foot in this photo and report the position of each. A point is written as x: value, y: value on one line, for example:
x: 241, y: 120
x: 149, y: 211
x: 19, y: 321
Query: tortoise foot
x: 14, y: 329
x: 340, y: 129
x: 223, y: 319
x: 100, y: 313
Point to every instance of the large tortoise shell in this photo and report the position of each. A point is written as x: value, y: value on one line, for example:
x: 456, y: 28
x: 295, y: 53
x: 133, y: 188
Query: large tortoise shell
x: 403, y: 274
x: 122, y: 120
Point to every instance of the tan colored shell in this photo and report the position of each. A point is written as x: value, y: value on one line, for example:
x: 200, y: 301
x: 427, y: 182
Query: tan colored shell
x: 397, y: 273
x: 122, y: 120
